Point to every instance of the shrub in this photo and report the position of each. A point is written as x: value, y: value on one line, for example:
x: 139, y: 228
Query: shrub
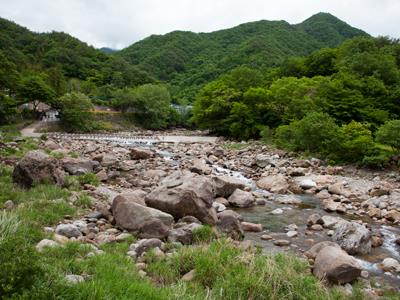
x: 89, y: 178
x: 75, y: 113
x: 315, y: 133
x: 375, y: 161
x: 203, y: 234
x: 389, y: 134
x: 357, y: 142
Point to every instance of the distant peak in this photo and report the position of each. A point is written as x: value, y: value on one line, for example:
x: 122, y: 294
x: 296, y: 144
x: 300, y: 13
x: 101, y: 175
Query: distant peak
x: 322, y: 16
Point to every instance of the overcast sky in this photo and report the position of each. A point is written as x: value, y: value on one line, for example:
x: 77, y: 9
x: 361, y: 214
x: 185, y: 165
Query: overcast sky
x: 118, y: 23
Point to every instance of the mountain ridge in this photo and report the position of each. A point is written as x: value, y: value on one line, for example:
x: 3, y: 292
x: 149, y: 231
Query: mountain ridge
x: 187, y: 59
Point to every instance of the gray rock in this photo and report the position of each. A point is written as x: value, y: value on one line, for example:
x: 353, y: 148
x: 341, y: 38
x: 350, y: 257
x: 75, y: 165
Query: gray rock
x: 307, y: 183
x: 74, y: 279
x: 198, y: 166
x: 140, y: 153
x: 9, y: 205
x: 37, y: 167
x: 185, y: 194
x: 131, y: 216
x: 263, y: 160
x: 46, y: 244
x: 274, y: 184
x: 229, y: 223
x: 353, y: 238
x: 145, y: 245
x: 281, y: 243
x: 390, y: 265
x: 252, y: 227
x: 226, y: 185
x: 68, y: 230
x: 79, y: 166
x: 240, y: 198
x: 314, y: 250
x: 336, y: 266
x: 314, y: 219
x: 183, y: 235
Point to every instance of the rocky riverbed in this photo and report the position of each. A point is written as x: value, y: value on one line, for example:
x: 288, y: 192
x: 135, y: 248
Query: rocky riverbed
x: 166, y: 191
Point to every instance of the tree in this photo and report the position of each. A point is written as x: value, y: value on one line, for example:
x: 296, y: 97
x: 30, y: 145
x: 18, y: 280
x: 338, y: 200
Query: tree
x: 315, y: 133
x: 75, y: 114
x: 149, y: 104
x: 389, y: 134
x: 213, y: 105
x: 357, y: 141
x: 9, y: 76
x: 8, y: 108
x: 34, y: 89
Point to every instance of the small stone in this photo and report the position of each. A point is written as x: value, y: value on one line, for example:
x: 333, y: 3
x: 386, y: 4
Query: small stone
x: 60, y: 239
x: 132, y: 254
x: 159, y: 254
x: 277, y: 211
x: 292, y: 234
x: 266, y: 237
x: 189, y: 276
x: 291, y: 227
x: 74, y: 279
x: 364, y: 274
x: 141, y: 266
x: 330, y: 232
x: 390, y: 265
x: 313, y: 219
x: 142, y: 273
x: 46, y: 244
x: 252, y: 227
x: 9, y: 205
x: 316, y: 227
x: 68, y: 230
x: 281, y: 243
x: 123, y: 237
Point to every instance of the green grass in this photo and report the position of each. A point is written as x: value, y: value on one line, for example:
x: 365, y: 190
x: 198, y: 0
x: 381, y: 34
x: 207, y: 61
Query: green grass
x: 89, y: 178
x: 231, y: 273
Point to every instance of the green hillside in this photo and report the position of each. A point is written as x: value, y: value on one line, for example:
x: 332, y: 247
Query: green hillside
x: 62, y: 61
x: 188, y: 60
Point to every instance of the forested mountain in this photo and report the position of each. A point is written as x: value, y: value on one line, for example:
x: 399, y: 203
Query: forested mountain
x: 61, y: 61
x: 188, y: 60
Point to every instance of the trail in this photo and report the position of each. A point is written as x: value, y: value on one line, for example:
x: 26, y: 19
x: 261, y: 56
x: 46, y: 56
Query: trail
x: 30, y: 130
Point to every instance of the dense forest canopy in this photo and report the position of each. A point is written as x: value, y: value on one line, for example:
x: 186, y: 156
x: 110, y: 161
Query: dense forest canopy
x: 187, y: 60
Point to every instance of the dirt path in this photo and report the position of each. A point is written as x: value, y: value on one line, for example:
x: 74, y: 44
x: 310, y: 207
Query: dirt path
x: 30, y: 130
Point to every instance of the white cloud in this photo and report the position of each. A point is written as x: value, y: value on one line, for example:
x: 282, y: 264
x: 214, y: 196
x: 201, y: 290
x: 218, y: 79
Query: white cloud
x: 118, y: 23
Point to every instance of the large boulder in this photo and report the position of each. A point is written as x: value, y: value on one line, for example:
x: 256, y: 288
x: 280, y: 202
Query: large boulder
x: 353, y: 237
x: 241, y: 198
x: 140, y: 153
x: 226, y: 185
x: 136, y: 196
x: 229, y: 224
x: 183, y: 234
x: 314, y: 250
x: 37, y: 167
x: 185, y: 194
x: 132, y: 216
x: 79, y: 166
x: 274, y: 184
x: 198, y: 166
x: 263, y: 160
x: 336, y: 266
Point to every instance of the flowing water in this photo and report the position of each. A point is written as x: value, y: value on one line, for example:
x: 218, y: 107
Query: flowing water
x: 298, y: 214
